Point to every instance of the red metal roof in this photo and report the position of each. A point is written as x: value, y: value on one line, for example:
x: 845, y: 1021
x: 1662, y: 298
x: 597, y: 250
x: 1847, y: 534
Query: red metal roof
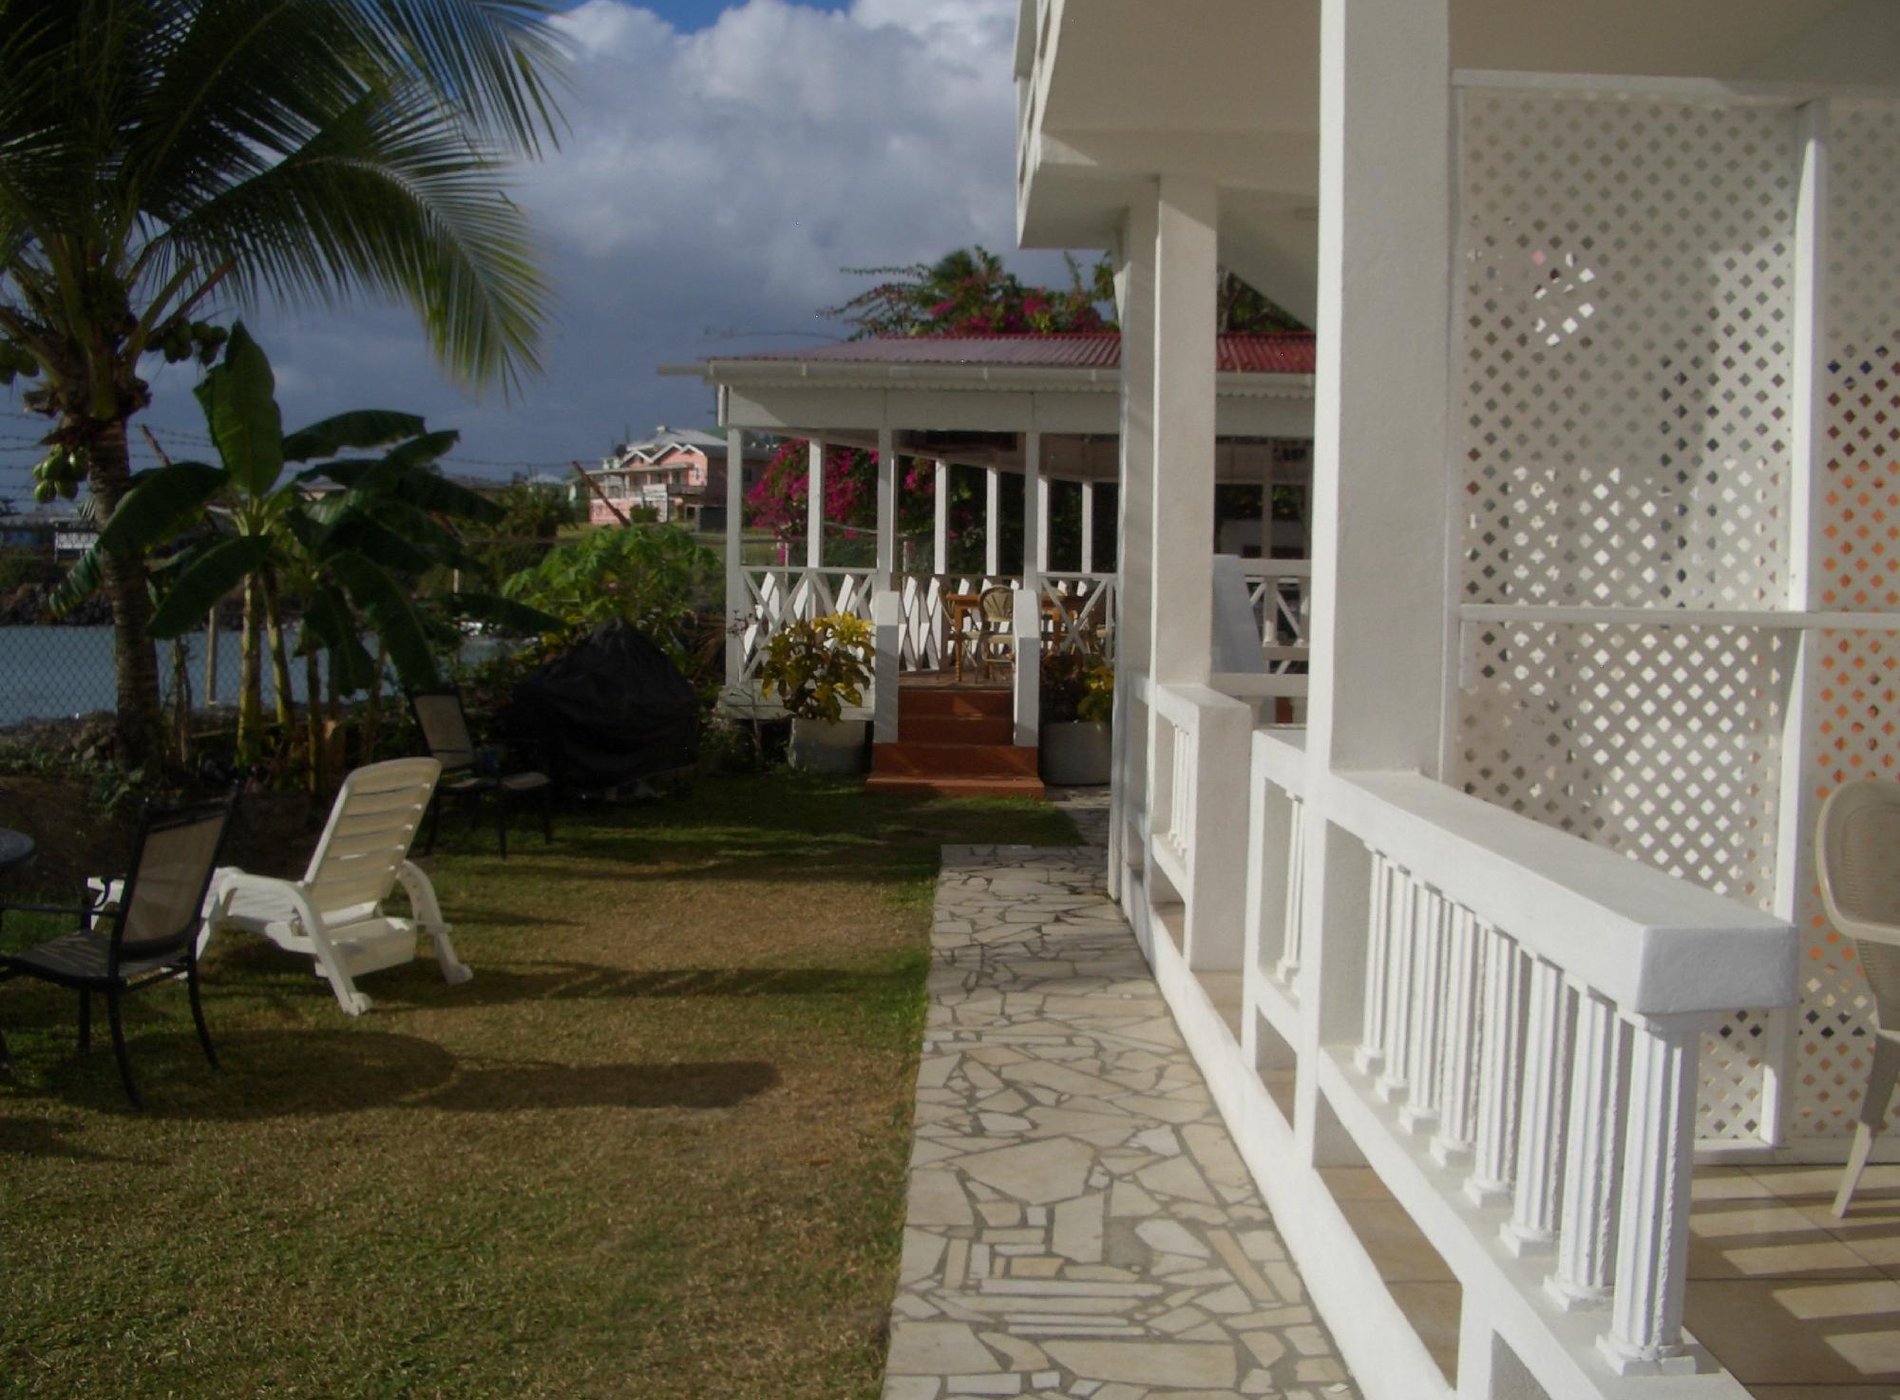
x: 1285, y: 352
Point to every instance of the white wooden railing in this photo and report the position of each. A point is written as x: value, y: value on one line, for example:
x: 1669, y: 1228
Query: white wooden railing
x: 1280, y: 591
x: 1508, y: 1033
x: 1080, y: 608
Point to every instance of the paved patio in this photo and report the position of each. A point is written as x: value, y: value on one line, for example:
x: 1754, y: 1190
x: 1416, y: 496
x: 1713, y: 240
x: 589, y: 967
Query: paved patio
x: 1079, y: 1223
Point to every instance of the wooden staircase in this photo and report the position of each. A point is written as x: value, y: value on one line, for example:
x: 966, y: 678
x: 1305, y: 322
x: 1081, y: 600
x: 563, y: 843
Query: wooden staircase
x: 955, y: 741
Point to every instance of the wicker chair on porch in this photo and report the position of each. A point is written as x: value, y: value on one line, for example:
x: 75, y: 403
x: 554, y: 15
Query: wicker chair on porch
x: 1857, y: 847
x: 997, y: 639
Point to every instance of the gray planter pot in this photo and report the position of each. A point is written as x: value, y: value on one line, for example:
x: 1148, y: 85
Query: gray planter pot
x: 827, y: 746
x: 1076, y: 753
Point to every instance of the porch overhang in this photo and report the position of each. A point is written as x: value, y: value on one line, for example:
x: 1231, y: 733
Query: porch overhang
x: 1233, y: 98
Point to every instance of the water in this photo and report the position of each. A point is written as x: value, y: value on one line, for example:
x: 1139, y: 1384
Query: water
x: 55, y: 672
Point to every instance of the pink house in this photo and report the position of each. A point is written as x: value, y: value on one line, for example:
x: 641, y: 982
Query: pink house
x: 676, y: 474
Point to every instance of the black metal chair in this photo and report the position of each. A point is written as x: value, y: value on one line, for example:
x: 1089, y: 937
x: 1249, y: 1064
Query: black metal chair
x: 470, y: 774
x: 148, y: 934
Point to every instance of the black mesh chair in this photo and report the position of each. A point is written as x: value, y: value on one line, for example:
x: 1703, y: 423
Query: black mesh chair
x: 470, y: 774
x: 148, y: 934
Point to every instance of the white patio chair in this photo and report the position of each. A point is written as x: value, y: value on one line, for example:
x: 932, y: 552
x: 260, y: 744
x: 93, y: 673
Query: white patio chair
x: 335, y: 913
x: 1857, y: 847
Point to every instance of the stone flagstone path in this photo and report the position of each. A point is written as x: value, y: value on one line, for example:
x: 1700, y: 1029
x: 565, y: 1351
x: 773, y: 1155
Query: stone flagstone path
x: 1079, y: 1223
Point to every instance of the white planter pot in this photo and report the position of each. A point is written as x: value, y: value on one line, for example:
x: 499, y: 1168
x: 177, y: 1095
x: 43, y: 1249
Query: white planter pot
x: 827, y: 746
x: 1076, y: 753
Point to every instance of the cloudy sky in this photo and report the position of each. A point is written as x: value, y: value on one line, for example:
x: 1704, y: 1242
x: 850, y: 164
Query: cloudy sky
x: 724, y: 164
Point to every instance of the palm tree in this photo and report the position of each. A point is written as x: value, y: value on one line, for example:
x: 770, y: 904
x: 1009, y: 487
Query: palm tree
x: 351, y: 556
x: 155, y: 154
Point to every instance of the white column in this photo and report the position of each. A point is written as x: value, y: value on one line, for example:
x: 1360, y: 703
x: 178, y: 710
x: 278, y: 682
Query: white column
x: 1540, y: 1129
x: 1401, y: 947
x: 1134, y: 536
x: 1043, y: 490
x: 1380, y: 417
x: 815, y: 504
x: 1493, y: 1163
x: 1182, y: 605
x: 1586, y: 1231
x: 992, y: 522
x: 1458, y: 1073
x: 1035, y: 512
x: 1795, y: 805
x: 940, y: 534
x: 1379, y: 601
x: 1087, y: 564
x: 1369, y: 1058
x: 1427, y: 1027
x: 735, y: 574
x: 1652, y: 1240
x: 887, y: 484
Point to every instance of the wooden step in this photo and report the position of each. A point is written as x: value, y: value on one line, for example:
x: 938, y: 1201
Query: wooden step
x: 955, y: 729
x: 956, y: 787
x: 965, y: 701
x: 911, y: 760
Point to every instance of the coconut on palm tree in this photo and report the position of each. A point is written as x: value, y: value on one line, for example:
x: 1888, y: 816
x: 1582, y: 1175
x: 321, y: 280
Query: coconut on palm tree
x: 156, y: 155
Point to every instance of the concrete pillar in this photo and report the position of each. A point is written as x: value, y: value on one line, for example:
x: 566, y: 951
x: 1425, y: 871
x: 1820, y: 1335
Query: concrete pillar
x: 1182, y: 605
x: 1380, y: 599
x: 887, y: 485
x: 1134, y: 542
x: 940, y: 535
x: 1087, y: 564
x: 736, y: 601
x: 815, y: 505
x: 1035, y: 513
x: 992, y: 522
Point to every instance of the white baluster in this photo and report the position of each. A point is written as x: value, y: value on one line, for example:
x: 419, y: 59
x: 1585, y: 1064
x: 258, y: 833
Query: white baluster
x: 1393, y: 1081
x: 1288, y: 970
x: 1494, y: 1160
x: 1540, y: 1129
x: 1652, y: 1244
x: 1458, y: 1081
x: 1586, y: 1232
x: 1370, y: 1056
x: 1428, y: 1005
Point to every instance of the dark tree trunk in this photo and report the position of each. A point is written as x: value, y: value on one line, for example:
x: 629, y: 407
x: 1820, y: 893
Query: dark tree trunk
x: 134, y: 656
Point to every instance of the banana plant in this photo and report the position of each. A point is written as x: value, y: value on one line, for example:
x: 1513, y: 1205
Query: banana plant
x: 352, y: 557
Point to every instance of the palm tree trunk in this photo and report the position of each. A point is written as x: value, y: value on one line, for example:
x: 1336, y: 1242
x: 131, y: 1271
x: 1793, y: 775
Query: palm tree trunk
x: 250, y: 677
x: 134, y: 655
x: 313, y: 720
x: 279, y: 657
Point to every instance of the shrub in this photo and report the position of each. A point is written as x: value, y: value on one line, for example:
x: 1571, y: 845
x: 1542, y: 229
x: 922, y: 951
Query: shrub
x: 818, y: 667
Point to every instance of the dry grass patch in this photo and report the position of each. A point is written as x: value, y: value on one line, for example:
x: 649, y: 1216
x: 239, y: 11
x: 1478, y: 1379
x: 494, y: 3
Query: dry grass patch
x: 655, y: 1148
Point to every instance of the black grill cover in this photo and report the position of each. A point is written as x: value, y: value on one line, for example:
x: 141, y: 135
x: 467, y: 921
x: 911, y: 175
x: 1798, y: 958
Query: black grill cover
x: 611, y: 711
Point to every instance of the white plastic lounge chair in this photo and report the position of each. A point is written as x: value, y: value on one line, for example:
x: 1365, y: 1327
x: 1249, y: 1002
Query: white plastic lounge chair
x: 1857, y: 847
x: 335, y: 913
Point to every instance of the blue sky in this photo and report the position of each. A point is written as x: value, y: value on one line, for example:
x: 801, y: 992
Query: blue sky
x: 725, y: 164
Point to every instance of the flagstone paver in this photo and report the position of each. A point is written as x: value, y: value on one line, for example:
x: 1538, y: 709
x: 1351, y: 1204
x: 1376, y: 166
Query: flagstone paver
x: 1079, y: 1223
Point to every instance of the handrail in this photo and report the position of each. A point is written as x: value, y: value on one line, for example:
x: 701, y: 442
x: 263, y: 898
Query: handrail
x: 1653, y: 944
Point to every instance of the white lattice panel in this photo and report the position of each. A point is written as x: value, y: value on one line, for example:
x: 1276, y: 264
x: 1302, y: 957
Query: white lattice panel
x: 1664, y: 743
x: 1853, y: 730
x: 1625, y: 318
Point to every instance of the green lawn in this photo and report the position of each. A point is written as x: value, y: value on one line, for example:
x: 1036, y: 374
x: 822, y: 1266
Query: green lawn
x: 654, y: 1149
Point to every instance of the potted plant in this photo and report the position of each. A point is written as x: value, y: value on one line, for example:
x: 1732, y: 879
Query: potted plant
x: 816, y: 668
x: 1078, y: 700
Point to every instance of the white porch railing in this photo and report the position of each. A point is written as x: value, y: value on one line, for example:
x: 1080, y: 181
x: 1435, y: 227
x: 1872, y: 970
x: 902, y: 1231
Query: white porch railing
x: 1281, y: 591
x: 1079, y: 608
x: 1502, y: 1018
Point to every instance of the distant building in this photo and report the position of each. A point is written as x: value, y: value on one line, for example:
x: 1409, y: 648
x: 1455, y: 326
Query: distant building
x: 679, y: 474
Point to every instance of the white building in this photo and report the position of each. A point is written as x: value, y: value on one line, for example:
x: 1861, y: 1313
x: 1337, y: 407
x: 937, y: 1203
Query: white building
x: 1604, y: 602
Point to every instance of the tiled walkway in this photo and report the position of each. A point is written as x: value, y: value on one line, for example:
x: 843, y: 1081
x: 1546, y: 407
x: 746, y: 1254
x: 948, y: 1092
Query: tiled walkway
x: 1079, y: 1223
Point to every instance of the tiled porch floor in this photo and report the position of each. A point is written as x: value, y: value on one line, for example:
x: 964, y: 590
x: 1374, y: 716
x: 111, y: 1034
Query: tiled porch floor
x: 1798, y: 1305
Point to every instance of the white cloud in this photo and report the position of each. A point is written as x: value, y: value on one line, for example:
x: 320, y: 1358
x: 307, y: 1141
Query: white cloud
x: 712, y: 181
